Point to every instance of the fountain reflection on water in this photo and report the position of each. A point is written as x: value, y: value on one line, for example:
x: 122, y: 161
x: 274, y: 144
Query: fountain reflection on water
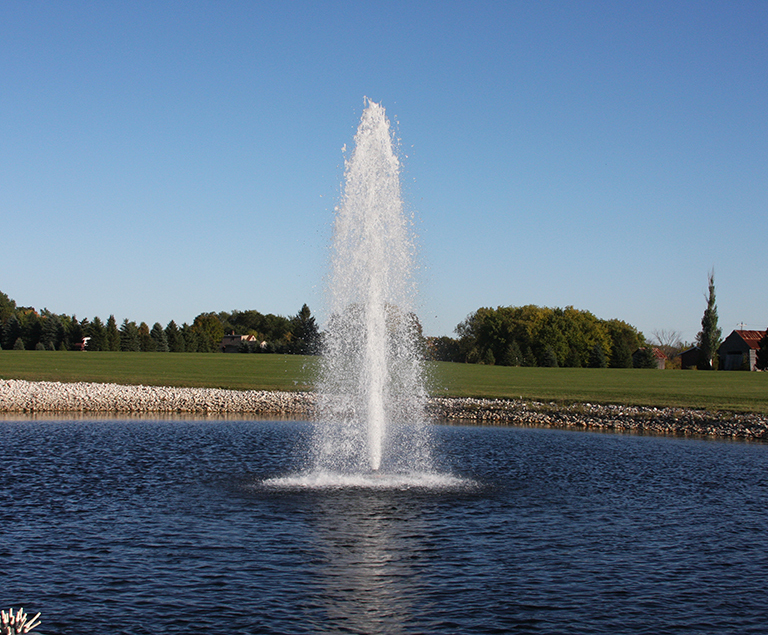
x: 372, y: 428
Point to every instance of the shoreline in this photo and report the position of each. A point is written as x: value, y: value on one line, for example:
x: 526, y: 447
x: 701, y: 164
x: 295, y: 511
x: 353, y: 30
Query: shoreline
x: 86, y: 398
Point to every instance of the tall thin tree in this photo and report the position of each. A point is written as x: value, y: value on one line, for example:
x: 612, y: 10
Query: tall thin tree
x: 708, y: 339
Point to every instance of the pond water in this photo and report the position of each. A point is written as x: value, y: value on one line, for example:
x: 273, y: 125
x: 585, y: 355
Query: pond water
x: 167, y: 527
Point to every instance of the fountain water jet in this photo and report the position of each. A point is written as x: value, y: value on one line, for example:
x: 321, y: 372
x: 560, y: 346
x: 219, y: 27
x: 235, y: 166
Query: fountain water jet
x: 371, y: 391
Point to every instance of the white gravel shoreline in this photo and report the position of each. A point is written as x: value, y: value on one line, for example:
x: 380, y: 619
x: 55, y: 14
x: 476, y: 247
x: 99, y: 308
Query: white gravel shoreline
x: 18, y: 396
x: 56, y: 398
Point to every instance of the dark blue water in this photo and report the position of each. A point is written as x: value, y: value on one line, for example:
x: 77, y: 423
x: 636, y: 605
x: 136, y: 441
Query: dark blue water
x: 164, y: 527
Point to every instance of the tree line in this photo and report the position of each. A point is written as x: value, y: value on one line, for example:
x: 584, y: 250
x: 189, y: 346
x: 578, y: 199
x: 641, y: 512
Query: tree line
x: 511, y: 336
x: 27, y: 329
x: 540, y: 336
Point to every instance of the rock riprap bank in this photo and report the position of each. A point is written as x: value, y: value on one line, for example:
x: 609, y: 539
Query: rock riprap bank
x: 25, y: 397
x: 17, y: 396
x: 616, y: 418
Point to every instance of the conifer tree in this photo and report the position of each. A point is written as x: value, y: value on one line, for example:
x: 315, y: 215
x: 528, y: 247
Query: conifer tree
x: 512, y: 356
x: 11, y: 332
x: 129, y: 336
x: 597, y: 357
x: 174, y: 337
x: 548, y: 357
x: 158, y: 335
x: 708, y: 339
x: 113, y: 335
x: 98, y: 334
x: 621, y: 355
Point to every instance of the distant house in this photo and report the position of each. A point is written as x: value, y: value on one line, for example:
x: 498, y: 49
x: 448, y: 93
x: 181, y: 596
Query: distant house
x: 233, y: 343
x: 81, y: 345
x: 689, y: 358
x: 739, y: 350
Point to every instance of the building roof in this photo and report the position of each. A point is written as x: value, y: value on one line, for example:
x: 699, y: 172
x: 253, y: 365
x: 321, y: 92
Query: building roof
x: 752, y: 338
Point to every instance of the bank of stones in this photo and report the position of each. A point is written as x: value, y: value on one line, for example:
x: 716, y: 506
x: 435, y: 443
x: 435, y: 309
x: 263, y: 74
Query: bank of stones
x: 24, y: 397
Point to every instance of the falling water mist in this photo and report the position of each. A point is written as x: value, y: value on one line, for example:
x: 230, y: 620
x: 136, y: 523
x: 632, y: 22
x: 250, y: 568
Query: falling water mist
x: 371, y: 390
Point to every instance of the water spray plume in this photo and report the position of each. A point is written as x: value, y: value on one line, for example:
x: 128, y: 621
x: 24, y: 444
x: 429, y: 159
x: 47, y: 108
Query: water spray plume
x: 371, y: 391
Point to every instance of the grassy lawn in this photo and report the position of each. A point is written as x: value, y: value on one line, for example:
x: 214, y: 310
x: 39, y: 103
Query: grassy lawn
x: 738, y: 391
x: 212, y: 370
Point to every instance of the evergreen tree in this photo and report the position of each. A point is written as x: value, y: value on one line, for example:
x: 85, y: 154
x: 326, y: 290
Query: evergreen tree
x: 18, y: 345
x: 762, y: 353
x: 113, y: 335
x: 488, y: 357
x: 644, y: 358
x: 52, y: 333
x: 129, y: 336
x: 597, y: 357
x: 513, y: 356
x: 548, y: 358
x: 529, y: 359
x: 12, y: 332
x: 708, y: 339
x: 305, y: 332
x: 98, y: 334
x: 74, y: 336
x: 190, y: 338
x: 31, y: 327
x: 174, y: 338
x: 621, y: 355
x: 158, y: 335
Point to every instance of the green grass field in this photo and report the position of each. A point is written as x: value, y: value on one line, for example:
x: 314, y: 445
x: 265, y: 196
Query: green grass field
x: 736, y: 391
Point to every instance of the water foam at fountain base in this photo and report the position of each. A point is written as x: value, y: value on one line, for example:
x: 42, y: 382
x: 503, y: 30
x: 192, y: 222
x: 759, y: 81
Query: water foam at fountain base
x: 325, y: 480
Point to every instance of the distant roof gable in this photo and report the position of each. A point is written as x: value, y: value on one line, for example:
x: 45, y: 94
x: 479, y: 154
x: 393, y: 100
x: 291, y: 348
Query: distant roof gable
x: 751, y: 338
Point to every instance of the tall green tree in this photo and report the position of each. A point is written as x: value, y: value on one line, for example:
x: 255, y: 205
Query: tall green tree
x: 98, y: 334
x: 158, y: 335
x: 597, y: 357
x: 146, y: 343
x: 7, y: 307
x: 708, y: 339
x: 548, y: 357
x: 174, y: 337
x: 11, y: 332
x: 75, y: 333
x: 513, y: 356
x: 209, y: 330
x: 129, y: 336
x: 52, y: 334
x: 305, y: 332
x: 113, y: 335
x: 191, y: 339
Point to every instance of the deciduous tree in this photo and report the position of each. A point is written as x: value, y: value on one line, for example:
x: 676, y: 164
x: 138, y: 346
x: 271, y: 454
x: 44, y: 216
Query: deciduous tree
x: 146, y: 343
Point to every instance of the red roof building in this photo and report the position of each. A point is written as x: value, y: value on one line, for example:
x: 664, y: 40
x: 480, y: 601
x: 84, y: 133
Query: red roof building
x: 739, y: 350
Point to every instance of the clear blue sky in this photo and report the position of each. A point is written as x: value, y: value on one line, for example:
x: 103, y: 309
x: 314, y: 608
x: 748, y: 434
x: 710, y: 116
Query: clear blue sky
x: 162, y: 159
